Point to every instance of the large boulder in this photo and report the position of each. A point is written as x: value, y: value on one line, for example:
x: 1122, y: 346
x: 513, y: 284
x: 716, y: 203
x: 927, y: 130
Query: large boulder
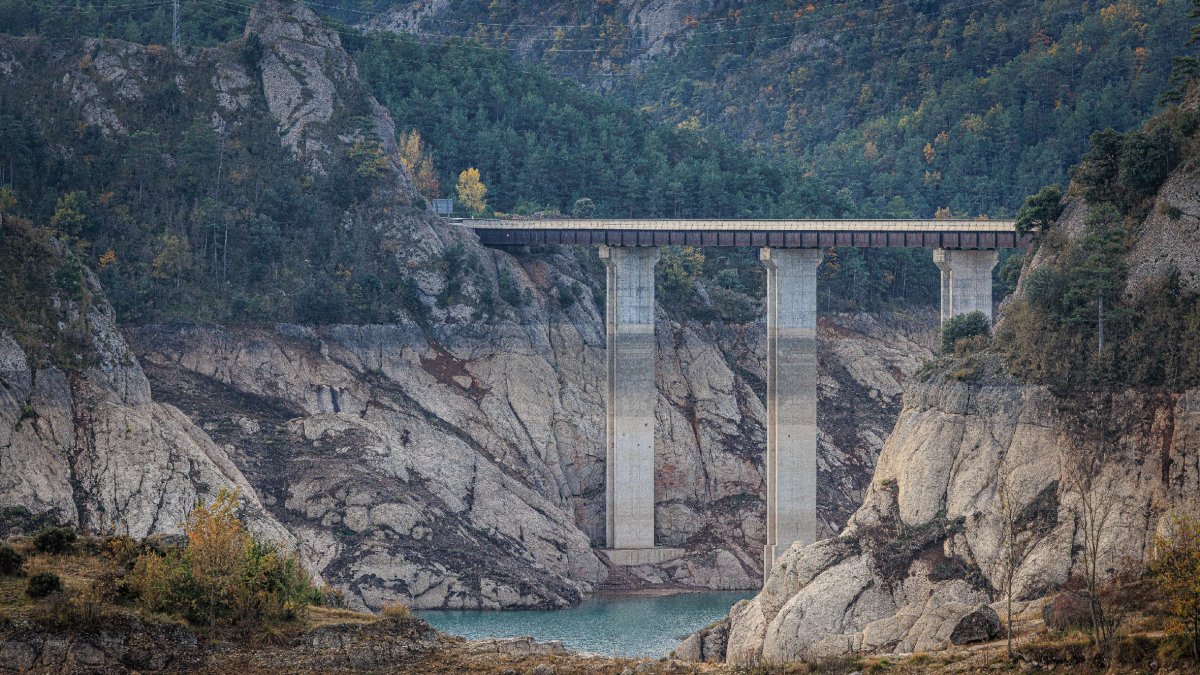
x: 980, y: 625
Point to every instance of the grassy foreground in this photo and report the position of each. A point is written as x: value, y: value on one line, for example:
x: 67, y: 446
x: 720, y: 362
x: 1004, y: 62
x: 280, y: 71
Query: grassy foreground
x: 219, y: 599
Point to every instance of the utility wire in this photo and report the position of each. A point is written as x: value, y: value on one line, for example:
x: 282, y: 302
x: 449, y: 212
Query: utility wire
x: 409, y: 40
x: 598, y: 50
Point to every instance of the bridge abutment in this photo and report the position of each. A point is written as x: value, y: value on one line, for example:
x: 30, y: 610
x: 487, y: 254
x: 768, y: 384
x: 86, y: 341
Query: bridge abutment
x: 630, y: 353
x: 791, y: 464
x: 966, y: 281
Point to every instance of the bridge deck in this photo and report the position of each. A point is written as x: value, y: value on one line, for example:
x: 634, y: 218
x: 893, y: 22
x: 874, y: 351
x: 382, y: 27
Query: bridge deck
x: 952, y: 234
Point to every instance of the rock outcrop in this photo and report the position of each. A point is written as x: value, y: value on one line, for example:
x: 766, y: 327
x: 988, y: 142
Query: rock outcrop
x: 92, y: 448
x: 926, y: 548
x: 468, y: 473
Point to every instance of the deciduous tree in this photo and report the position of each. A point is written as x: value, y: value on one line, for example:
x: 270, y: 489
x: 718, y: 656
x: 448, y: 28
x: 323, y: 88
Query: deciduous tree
x: 472, y: 193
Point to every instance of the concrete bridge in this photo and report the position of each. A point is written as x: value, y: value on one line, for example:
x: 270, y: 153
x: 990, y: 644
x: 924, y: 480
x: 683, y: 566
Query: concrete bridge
x: 791, y: 251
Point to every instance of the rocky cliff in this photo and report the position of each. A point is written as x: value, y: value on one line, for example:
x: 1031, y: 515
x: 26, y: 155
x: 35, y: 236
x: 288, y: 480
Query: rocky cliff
x: 454, y: 470
x: 981, y: 464
x: 452, y: 458
x: 927, y: 547
x: 91, y: 447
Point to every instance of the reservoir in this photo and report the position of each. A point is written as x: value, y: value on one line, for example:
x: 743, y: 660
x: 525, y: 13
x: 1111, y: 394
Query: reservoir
x: 609, y: 624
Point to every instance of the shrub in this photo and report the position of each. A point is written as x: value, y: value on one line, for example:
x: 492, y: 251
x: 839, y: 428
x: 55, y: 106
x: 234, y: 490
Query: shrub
x: 1176, y: 574
x: 732, y: 306
x: 1040, y: 211
x: 43, y: 584
x: 963, y: 327
x: 1066, y: 611
x: 151, y: 580
x: 510, y: 292
x: 224, y: 576
x: 396, y: 610
x: 584, y: 208
x: 11, y: 562
x: 54, y: 539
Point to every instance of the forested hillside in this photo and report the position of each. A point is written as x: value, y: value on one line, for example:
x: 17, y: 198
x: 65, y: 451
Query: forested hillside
x: 967, y: 105
x: 245, y: 240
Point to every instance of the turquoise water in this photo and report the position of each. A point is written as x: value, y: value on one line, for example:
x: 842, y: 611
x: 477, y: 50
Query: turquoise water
x: 624, y: 625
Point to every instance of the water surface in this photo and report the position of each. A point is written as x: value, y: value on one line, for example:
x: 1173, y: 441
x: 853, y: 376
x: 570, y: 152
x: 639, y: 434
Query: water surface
x: 615, y: 625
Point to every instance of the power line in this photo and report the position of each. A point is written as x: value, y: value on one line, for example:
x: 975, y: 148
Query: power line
x: 407, y: 39
x: 418, y: 38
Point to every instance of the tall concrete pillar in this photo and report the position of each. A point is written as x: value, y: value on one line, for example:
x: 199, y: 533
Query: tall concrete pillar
x: 630, y: 352
x: 966, y: 281
x: 939, y: 259
x: 791, y: 399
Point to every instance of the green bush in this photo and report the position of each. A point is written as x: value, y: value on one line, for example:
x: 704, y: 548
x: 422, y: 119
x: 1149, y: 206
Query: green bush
x: 510, y: 292
x: 963, y: 327
x: 10, y: 561
x: 54, y: 539
x: 43, y: 584
x: 584, y: 208
x: 1127, y: 168
x: 731, y: 306
x: 1040, y: 211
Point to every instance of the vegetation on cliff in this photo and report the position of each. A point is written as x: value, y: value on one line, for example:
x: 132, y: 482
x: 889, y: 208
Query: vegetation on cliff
x: 1078, y: 326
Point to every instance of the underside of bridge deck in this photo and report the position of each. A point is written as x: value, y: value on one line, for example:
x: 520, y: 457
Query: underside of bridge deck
x: 791, y: 396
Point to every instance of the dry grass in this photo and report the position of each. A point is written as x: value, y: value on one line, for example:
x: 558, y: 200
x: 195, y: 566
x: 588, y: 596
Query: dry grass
x: 396, y: 610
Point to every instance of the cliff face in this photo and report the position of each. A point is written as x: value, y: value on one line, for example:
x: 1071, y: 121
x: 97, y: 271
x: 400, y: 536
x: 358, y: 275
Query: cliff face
x: 461, y: 470
x: 973, y: 450
x: 927, y: 547
x: 451, y: 459
x: 91, y: 447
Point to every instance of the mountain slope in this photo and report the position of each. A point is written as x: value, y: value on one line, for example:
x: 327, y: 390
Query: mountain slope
x: 965, y: 105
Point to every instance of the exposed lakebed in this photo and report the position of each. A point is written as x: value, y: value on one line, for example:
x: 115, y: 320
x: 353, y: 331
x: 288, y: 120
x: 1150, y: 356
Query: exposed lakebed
x: 609, y: 624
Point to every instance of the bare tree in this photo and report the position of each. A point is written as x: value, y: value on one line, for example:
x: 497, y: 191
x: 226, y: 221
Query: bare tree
x: 1013, y: 545
x: 1093, y: 508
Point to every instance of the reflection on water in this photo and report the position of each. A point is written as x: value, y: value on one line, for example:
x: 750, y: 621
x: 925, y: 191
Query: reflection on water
x: 623, y: 625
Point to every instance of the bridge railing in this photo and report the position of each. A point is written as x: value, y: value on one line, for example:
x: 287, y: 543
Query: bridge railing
x: 794, y: 225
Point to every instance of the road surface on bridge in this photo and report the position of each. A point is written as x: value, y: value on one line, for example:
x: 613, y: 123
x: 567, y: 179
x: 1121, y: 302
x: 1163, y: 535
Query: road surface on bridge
x: 915, y: 233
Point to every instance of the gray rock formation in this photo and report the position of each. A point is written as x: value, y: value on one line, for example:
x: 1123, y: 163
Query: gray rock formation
x: 925, y: 549
x: 469, y: 472
x: 92, y: 448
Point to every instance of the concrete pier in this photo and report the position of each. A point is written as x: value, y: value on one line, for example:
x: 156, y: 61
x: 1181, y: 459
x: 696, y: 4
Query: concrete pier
x: 630, y: 352
x: 791, y: 399
x: 966, y: 281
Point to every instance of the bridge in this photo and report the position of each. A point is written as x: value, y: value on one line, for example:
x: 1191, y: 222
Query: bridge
x: 791, y: 251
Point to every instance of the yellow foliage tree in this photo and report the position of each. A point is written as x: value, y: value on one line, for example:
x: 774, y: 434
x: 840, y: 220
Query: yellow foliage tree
x: 369, y: 157
x: 471, y: 191
x: 172, y: 258
x: 217, y: 545
x: 415, y: 158
x: 69, y: 213
x: 1176, y: 569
